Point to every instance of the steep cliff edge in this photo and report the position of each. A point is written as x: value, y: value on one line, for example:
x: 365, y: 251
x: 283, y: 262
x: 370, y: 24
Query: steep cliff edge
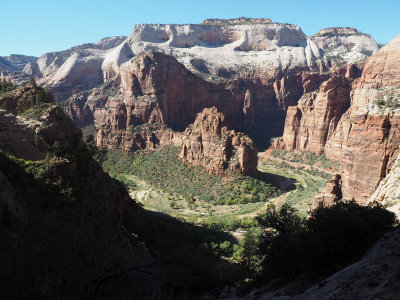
x: 156, y: 88
x: 364, y: 138
x: 388, y: 191
x: 312, y: 122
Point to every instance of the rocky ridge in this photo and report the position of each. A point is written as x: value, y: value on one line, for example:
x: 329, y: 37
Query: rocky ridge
x: 344, y: 45
x: 15, y: 62
x: 75, y: 69
x: 216, y: 50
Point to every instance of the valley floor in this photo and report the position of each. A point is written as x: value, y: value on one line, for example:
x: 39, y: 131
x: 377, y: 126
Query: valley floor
x: 299, y: 182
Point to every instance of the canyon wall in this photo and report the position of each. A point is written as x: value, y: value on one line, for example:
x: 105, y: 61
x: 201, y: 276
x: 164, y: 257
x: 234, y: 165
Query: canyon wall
x: 356, y: 124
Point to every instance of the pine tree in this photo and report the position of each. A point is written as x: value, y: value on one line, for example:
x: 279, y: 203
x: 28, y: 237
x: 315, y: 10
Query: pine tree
x: 32, y: 81
x: 38, y: 99
x: 32, y: 101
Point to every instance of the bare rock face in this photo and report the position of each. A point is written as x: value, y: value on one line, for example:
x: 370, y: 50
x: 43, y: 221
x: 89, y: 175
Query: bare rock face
x: 15, y: 62
x: 364, y: 137
x: 156, y: 88
x: 30, y: 139
x: 75, y: 69
x: 367, y: 136
x: 17, y: 137
x: 345, y: 45
x: 231, y: 49
x: 331, y: 194
x: 311, y: 123
x: 366, y: 146
x: 209, y: 143
x: 383, y: 69
x: 388, y: 191
x: 217, y: 50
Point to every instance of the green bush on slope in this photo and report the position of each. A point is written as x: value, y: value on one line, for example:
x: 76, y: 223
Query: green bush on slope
x: 330, y: 239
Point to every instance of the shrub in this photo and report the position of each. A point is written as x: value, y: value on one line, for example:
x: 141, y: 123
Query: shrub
x: 329, y: 240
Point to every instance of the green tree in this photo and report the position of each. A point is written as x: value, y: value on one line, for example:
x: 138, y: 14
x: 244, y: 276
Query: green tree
x: 247, y: 253
x: 32, y: 82
x: 32, y: 101
x: 38, y: 99
x: 57, y: 150
x: 330, y: 239
x: 99, y: 154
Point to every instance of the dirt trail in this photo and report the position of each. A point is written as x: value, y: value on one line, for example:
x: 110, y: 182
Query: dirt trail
x: 295, y: 164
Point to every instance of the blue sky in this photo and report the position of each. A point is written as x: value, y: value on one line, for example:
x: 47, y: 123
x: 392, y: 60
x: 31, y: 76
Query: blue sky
x: 33, y: 27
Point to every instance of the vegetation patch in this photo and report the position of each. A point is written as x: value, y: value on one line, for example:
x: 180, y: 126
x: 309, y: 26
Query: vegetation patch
x: 307, y: 158
x: 390, y: 101
x: 330, y: 239
x: 307, y: 183
x: 164, y: 170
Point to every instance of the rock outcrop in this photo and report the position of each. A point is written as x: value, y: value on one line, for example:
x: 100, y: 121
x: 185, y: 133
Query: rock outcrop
x: 331, y: 194
x: 252, y: 49
x: 209, y: 143
x: 156, y: 88
x: 383, y: 69
x: 343, y: 45
x: 75, y: 69
x: 15, y: 62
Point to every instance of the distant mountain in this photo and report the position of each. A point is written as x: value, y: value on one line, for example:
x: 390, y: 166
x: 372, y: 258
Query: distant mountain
x: 15, y: 62
x: 216, y: 50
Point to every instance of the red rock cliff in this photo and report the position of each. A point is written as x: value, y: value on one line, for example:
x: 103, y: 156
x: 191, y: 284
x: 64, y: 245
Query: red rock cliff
x: 363, y: 138
x: 209, y: 143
